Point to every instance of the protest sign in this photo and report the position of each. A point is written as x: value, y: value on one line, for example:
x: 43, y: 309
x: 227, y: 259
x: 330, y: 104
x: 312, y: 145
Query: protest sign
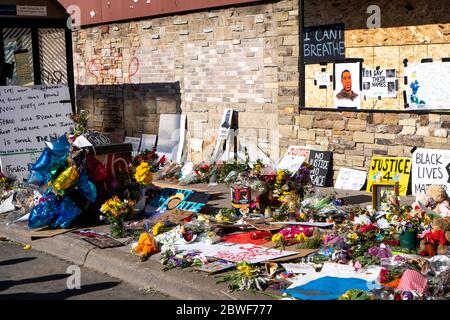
x: 323, y: 43
x: 31, y: 115
x: 294, y: 158
x: 191, y: 200
x: 320, y: 160
x: 430, y: 166
x: 350, y: 179
x: 15, y: 166
x: 379, y: 83
x: 390, y: 169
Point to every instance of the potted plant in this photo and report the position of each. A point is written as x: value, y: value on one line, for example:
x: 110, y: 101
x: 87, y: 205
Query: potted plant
x: 408, y: 226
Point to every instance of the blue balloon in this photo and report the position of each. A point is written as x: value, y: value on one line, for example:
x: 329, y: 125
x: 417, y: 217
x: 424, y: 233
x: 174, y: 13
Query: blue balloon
x: 67, y: 212
x: 36, y: 178
x: 59, y: 146
x: 86, y: 188
x: 43, y: 214
x: 43, y: 161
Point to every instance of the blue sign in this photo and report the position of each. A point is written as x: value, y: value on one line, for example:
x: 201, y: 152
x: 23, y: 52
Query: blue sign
x: 8, y: 10
x: 192, y: 201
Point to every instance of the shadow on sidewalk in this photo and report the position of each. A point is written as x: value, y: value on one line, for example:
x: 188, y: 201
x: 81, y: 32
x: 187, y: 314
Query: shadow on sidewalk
x: 11, y: 283
x: 62, y: 295
x: 15, y: 261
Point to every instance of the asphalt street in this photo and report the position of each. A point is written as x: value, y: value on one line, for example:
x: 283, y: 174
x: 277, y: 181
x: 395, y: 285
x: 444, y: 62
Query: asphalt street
x: 30, y: 274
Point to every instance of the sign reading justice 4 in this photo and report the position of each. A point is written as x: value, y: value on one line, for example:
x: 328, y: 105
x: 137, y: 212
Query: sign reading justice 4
x: 390, y: 169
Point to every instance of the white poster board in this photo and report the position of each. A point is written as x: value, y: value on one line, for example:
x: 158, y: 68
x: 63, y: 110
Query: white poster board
x: 428, y: 85
x: 379, y: 83
x: 31, y: 115
x: 171, y: 135
x: 135, y: 144
x: 237, y: 252
x: 430, y: 166
x: 16, y: 165
x: 350, y: 179
x: 347, y: 84
x: 225, y: 124
x: 322, y: 79
x: 294, y: 158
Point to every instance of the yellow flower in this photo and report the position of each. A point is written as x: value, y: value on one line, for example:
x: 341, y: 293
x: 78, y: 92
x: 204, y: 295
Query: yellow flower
x: 353, y: 236
x: 157, y: 228
x: 277, y: 237
x: 300, y: 237
x: 105, y: 208
x: 143, y: 174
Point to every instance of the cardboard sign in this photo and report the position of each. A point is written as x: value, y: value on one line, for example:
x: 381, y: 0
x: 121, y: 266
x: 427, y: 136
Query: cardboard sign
x: 294, y: 158
x: 192, y: 201
x: 350, y: 179
x: 390, y: 169
x: 169, y: 135
x: 324, y: 43
x: 15, y: 166
x: 31, y: 115
x: 320, y: 174
x: 430, y: 166
x: 379, y: 83
x: 225, y: 124
x: 215, y: 266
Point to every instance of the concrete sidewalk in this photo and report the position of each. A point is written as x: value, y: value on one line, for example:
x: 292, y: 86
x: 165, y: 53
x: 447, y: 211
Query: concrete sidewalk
x: 122, y: 264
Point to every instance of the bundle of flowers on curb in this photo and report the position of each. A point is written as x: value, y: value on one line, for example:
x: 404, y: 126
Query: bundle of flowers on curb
x: 116, y: 211
x: 246, y: 277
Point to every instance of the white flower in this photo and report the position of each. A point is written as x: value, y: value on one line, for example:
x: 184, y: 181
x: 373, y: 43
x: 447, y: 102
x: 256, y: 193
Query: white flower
x: 383, y: 223
x: 362, y: 220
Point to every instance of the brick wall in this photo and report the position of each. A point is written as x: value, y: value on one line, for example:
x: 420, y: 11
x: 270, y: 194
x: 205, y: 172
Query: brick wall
x: 246, y: 58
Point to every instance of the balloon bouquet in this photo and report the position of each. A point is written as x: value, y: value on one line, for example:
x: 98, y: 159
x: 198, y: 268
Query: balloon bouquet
x: 59, y: 172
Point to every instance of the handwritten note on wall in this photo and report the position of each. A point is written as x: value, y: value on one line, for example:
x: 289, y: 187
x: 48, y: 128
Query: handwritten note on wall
x: 31, y: 115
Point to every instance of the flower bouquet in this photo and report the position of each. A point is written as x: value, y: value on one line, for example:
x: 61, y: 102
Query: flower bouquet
x: 246, y: 277
x: 116, y: 212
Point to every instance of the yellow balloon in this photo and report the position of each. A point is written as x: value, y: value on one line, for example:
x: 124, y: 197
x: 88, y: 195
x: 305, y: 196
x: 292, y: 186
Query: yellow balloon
x: 66, y: 179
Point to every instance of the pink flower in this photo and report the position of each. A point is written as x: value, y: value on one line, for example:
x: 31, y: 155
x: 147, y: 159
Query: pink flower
x: 357, y: 265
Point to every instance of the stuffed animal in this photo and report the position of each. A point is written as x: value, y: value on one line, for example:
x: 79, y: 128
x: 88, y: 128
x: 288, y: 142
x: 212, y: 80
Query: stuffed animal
x: 442, y: 224
x: 435, y: 199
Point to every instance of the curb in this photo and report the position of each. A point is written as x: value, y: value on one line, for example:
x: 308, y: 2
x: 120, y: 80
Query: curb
x: 120, y: 263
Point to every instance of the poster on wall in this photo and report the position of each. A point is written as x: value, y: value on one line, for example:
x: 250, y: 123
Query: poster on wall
x: 390, y: 169
x: 225, y: 124
x: 31, y: 115
x: 320, y: 174
x: 427, y: 85
x: 379, y: 83
x: 23, y: 68
x: 323, y: 43
x: 430, y: 166
x: 350, y: 179
x: 347, y: 84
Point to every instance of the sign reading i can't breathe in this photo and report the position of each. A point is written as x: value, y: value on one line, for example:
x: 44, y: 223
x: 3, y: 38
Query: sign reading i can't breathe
x: 320, y: 160
x: 323, y: 43
x: 390, y: 169
x: 430, y: 166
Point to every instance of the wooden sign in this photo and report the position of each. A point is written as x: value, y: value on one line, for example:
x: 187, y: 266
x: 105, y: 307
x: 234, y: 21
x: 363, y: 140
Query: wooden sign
x: 390, y: 169
x: 321, y: 162
x: 430, y: 166
x: 323, y: 43
x: 31, y: 115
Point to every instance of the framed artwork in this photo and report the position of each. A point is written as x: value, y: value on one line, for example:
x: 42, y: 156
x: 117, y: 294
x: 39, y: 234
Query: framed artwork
x: 347, y: 83
x: 384, y: 194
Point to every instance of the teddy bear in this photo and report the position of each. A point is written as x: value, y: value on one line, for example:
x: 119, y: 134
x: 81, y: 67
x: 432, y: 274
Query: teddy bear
x: 442, y: 224
x: 436, y: 199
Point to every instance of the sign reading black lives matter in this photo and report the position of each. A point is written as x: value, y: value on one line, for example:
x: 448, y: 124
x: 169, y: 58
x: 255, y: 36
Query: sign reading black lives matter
x: 320, y: 160
x: 323, y: 43
x: 430, y: 166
